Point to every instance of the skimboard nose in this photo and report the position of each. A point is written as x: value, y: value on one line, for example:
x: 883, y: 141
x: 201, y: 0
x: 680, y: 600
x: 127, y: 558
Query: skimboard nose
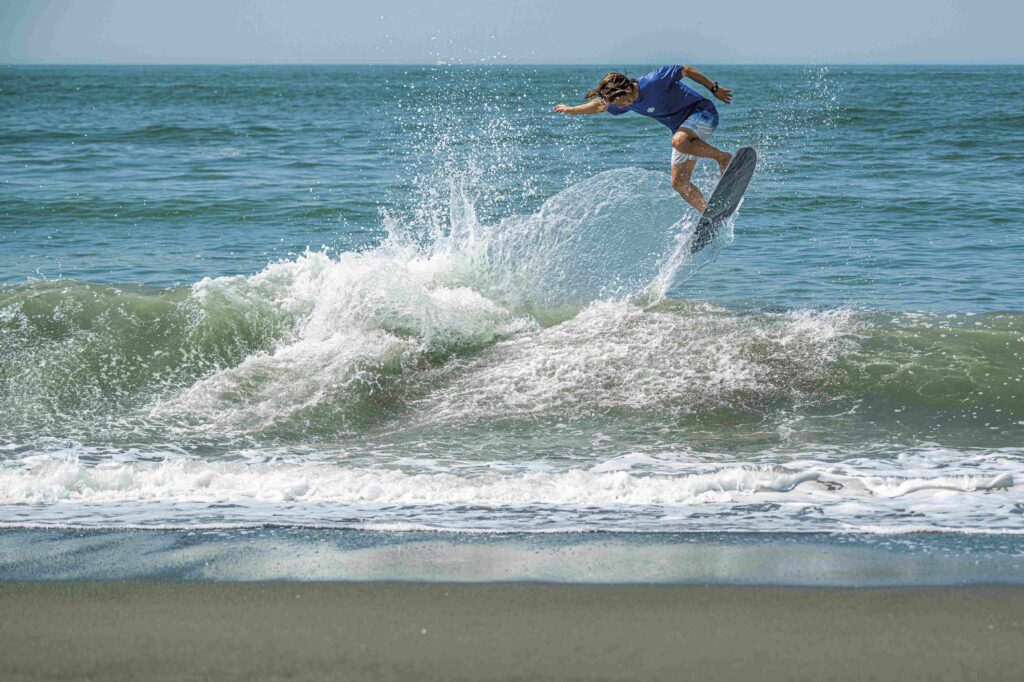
x: 726, y: 197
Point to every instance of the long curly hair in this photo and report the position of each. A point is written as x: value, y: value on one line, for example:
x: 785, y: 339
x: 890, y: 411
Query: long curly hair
x: 611, y: 87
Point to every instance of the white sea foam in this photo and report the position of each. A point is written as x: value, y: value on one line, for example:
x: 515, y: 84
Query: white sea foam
x: 356, y: 320
x: 623, y: 494
x: 615, y: 355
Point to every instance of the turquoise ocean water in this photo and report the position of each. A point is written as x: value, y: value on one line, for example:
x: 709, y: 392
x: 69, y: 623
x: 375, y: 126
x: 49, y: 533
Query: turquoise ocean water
x: 402, y: 298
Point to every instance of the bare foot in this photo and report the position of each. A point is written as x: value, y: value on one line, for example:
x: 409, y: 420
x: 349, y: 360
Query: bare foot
x: 722, y: 165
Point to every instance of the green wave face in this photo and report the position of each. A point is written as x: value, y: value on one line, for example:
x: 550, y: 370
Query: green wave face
x: 75, y: 356
x: 936, y: 370
x: 942, y: 361
x: 320, y: 348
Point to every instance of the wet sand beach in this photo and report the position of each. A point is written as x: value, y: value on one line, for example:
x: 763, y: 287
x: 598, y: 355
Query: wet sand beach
x: 505, y: 631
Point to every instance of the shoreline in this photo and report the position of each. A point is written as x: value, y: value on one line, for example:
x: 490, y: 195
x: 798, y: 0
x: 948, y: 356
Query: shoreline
x: 309, y: 555
x: 504, y: 631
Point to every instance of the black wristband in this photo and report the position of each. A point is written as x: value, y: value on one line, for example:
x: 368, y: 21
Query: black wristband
x: 714, y: 88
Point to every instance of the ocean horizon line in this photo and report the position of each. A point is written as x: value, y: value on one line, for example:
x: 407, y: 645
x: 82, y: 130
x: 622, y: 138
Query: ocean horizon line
x: 521, y: 64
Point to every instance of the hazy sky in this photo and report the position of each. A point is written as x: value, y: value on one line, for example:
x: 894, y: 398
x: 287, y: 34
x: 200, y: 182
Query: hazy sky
x: 510, y: 31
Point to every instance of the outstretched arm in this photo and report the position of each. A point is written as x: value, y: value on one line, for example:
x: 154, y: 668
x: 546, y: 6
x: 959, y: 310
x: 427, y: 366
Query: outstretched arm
x: 594, y: 106
x: 721, y: 93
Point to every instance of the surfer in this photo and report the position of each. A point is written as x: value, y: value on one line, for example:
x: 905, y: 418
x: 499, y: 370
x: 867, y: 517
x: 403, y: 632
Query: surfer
x: 663, y: 96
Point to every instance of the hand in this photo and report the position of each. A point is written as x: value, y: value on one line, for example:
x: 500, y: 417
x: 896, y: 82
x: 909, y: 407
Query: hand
x: 562, y: 109
x: 724, y: 94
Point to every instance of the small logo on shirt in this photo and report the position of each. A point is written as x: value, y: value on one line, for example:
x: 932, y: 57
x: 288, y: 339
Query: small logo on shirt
x: 650, y: 110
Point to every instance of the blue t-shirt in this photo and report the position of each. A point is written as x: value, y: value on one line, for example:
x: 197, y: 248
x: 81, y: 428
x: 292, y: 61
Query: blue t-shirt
x: 664, y: 97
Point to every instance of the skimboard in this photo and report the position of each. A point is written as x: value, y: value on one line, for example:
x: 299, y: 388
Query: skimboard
x: 726, y: 197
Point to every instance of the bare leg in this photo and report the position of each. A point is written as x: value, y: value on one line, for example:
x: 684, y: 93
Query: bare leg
x: 685, y: 141
x: 687, y: 190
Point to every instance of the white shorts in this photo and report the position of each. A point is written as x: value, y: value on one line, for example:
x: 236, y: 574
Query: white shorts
x: 703, y: 122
